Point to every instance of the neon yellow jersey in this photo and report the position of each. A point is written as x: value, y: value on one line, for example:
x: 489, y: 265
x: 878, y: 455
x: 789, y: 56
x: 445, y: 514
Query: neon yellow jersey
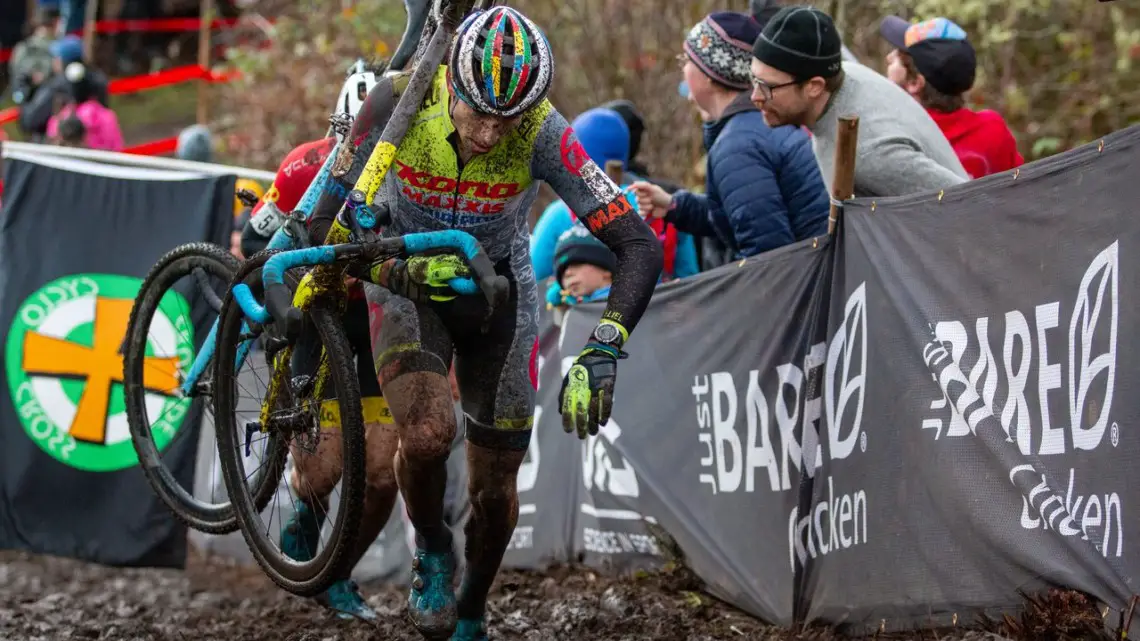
x: 490, y: 196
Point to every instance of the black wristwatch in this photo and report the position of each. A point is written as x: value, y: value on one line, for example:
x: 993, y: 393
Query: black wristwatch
x: 608, y: 334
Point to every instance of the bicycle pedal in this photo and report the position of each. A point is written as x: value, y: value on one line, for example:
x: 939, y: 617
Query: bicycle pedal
x: 251, y: 428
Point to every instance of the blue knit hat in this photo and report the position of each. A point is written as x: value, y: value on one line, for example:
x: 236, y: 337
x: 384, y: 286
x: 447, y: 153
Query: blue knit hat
x: 603, y: 134
x: 68, y: 49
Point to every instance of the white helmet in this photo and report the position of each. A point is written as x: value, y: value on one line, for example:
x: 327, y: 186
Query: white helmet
x: 356, y: 87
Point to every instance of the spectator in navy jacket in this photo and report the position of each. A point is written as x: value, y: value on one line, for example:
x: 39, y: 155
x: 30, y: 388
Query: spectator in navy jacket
x: 764, y: 188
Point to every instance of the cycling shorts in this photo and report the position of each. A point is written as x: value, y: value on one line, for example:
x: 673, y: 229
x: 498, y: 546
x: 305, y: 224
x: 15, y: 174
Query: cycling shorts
x: 495, y: 365
x: 306, y: 357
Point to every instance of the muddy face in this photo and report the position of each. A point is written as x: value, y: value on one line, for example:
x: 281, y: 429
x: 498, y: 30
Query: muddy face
x: 478, y: 133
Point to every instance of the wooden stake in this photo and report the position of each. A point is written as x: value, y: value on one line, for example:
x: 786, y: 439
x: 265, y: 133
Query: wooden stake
x: 206, y: 18
x: 92, y: 10
x: 615, y: 170
x: 843, y: 182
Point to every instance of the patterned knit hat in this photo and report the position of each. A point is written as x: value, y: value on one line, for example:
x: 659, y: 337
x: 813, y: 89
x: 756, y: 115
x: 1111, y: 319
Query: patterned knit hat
x: 721, y: 46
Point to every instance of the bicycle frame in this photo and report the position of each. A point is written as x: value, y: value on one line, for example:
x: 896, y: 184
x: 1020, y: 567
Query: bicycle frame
x: 281, y: 240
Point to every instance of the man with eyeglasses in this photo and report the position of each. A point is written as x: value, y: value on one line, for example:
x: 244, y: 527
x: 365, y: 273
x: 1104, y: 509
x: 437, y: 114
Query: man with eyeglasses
x: 763, y: 187
x: 799, y: 78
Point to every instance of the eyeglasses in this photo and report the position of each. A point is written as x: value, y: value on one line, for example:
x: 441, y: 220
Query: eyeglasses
x: 766, y: 89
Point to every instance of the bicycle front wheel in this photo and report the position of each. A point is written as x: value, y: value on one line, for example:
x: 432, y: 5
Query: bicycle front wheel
x: 195, y: 274
x: 295, y: 418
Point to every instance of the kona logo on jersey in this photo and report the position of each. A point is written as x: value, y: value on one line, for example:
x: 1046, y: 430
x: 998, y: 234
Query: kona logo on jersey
x: 445, y: 184
x: 606, y: 214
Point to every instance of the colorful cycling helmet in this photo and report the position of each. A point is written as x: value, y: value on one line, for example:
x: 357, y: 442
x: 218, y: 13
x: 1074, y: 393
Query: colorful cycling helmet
x: 501, y: 63
x: 356, y: 87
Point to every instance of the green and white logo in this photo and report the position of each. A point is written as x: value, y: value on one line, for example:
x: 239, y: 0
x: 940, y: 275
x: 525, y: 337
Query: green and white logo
x: 65, y: 369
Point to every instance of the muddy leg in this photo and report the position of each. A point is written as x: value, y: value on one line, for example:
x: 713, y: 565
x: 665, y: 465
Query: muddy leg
x: 422, y: 407
x: 493, y: 465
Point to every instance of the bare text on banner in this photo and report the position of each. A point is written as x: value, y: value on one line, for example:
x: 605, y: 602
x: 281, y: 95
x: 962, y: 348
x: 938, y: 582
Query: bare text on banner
x: 771, y: 413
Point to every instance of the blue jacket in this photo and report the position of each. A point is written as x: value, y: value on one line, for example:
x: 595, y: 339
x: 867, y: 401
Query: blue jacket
x: 556, y: 219
x: 764, y: 185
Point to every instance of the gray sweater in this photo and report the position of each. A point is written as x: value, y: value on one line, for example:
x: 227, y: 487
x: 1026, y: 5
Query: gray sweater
x: 900, y: 151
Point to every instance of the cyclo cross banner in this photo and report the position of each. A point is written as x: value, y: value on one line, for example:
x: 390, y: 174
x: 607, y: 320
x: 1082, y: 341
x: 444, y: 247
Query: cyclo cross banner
x: 78, y: 239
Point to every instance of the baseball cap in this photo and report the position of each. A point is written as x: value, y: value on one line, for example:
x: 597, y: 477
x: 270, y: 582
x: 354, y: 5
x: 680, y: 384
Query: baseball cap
x: 940, y: 50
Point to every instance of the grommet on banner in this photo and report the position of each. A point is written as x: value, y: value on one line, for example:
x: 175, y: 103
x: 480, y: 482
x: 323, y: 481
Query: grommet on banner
x: 941, y: 193
x: 1100, y: 147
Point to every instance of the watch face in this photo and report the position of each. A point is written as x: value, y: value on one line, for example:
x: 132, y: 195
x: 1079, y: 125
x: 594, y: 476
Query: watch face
x: 606, y: 333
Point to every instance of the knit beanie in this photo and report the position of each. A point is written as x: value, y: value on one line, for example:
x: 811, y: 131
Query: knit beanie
x: 801, y: 42
x: 603, y: 134
x: 720, y: 46
x: 632, y: 117
x: 195, y: 143
x: 577, y: 246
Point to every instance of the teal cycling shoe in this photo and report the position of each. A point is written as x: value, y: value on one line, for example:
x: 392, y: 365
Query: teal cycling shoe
x: 470, y: 630
x: 431, y: 602
x: 301, y: 535
x: 344, y: 598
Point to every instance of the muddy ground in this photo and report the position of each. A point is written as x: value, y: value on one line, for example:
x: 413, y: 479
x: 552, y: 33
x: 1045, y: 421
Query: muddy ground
x: 53, y: 599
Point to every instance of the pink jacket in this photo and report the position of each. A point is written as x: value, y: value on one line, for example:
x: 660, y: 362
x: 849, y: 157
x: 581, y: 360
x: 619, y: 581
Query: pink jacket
x: 102, y: 125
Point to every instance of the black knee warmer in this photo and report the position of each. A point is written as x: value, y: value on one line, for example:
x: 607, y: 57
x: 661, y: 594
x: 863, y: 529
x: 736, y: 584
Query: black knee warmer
x: 496, y: 439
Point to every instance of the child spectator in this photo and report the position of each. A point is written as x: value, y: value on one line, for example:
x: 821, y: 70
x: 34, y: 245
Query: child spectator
x: 605, y: 136
x: 583, y: 268
x: 101, y: 123
x: 72, y: 132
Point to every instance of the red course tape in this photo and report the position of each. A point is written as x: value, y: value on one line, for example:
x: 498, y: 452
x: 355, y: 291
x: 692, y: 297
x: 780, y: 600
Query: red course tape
x: 154, y: 147
x: 134, y: 84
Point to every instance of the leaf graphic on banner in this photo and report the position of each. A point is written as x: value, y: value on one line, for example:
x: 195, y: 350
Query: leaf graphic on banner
x: 848, y: 350
x: 1093, y: 327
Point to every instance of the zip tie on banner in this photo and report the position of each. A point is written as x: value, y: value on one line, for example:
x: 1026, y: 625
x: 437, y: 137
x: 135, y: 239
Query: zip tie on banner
x: 1100, y: 147
x: 1016, y: 173
x: 874, y: 205
x: 815, y: 242
x: 941, y: 193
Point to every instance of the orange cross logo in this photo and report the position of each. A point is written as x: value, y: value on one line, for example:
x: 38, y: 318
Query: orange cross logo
x: 100, y: 365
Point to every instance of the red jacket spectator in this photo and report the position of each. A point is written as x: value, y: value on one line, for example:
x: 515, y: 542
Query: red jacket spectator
x: 981, y: 139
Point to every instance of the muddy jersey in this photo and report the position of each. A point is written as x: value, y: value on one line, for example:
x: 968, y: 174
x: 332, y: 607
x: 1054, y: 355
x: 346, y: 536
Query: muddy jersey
x: 490, y: 196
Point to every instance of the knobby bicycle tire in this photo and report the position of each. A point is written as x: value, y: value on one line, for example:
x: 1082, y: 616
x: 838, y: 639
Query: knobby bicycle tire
x: 308, y: 578
x: 212, y: 518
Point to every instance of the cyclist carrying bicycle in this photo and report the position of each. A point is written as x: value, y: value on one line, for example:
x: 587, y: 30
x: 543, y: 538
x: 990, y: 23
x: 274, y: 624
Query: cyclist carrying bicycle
x: 472, y: 159
x: 316, y: 473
